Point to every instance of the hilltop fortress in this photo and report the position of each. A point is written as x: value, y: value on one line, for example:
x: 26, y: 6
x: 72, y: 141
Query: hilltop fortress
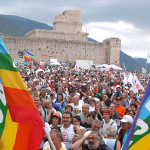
x: 66, y: 42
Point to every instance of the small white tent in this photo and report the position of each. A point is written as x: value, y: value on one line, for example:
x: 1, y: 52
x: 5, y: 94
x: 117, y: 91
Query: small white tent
x: 115, y: 67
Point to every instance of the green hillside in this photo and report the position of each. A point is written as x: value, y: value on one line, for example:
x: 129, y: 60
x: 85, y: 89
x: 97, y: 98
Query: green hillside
x: 9, y: 27
x: 18, y: 26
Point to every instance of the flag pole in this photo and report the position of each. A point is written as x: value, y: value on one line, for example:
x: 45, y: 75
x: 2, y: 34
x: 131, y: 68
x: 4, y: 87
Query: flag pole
x: 49, y: 138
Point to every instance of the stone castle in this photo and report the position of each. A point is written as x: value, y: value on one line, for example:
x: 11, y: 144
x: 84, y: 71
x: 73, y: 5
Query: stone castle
x: 66, y: 42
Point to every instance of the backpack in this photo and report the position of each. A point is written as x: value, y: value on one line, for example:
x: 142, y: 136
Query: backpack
x: 45, y: 113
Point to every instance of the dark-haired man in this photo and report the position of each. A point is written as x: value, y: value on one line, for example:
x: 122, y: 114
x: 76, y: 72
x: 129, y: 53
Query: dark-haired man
x: 43, y: 111
x: 119, y: 108
x: 68, y: 130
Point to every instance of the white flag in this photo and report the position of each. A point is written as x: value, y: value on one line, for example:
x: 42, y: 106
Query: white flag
x: 125, y: 78
x: 76, y: 68
x: 148, y: 58
x: 130, y: 79
x: 136, y: 84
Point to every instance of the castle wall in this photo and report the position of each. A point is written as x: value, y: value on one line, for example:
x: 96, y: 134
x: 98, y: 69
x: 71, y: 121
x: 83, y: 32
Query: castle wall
x: 44, y: 49
x: 42, y: 33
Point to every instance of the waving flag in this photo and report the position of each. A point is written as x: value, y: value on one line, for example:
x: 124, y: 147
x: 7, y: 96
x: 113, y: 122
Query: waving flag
x: 136, y: 84
x: 28, y: 56
x: 139, y: 135
x: 20, y: 121
x: 125, y: 78
x: 143, y: 71
x: 130, y: 79
x: 76, y: 68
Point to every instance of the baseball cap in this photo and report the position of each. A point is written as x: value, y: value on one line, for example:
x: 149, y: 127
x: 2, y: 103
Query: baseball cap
x: 96, y: 90
x: 96, y: 99
x: 107, y: 111
x: 48, y: 88
x: 43, y: 89
x: 126, y: 87
x: 127, y: 118
x: 119, y: 98
x: 77, y: 94
x: 118, y: 86
x: 56, y: 114
x: 98, y: 95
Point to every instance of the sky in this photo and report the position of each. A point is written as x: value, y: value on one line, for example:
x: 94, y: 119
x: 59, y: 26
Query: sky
x: 127, y: 20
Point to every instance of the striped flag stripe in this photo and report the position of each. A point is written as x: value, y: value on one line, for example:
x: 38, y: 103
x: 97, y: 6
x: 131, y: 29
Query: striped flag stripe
x: 3, y: 47
x: 12, y: 79
x: 18, y: 97
x: 10, y: 130
x: 7, y: 62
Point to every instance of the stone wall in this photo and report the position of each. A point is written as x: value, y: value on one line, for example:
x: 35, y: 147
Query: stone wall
x: 43, y: 49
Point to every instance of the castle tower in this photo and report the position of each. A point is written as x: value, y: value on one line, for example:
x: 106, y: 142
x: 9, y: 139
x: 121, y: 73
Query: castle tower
x: 67, y: 26
x: 112, y: 48
x: 69, y: 22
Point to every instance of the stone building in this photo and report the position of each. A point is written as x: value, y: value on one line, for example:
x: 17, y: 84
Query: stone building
x: 66, y: 42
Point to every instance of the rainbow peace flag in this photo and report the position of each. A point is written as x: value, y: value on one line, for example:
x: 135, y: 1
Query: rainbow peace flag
x: 139, y: 135
x: 28, y: 56
x: 20, y: 121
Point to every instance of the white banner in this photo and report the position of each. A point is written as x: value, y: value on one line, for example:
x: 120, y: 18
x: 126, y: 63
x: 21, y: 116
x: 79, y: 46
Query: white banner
x: 148, y: 57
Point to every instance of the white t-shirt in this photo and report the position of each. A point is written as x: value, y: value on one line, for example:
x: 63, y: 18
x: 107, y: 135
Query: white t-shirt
x: 91, y: 109
x: 68, y: 134
x: 106, y: 125
x: 81, y: 101
x: 77, y: 109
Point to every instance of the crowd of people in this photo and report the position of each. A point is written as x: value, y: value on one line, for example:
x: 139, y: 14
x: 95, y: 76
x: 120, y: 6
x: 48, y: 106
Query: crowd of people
x: 84, y: 109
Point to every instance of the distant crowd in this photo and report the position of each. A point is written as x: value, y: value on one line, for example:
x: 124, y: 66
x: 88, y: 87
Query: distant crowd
x: 84, y: 109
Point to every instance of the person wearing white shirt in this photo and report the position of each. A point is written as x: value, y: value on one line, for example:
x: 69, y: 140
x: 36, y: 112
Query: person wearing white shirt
x: 77, y: 107
x: 92, y: 105
x: 107, y: 122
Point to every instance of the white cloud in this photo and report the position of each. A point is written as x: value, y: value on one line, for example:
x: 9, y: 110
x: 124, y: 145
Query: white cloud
x: 115, y: 26
x: 132, y: 42
x: 134, y: 53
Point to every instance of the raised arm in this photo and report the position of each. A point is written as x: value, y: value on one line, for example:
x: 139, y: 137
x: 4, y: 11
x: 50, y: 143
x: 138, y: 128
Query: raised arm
x: 78, y: 144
